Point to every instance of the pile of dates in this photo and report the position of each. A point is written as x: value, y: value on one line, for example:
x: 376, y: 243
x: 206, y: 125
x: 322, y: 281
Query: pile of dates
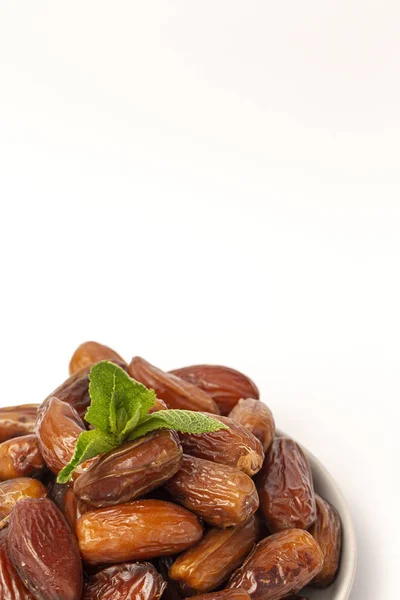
x: 228, y: 515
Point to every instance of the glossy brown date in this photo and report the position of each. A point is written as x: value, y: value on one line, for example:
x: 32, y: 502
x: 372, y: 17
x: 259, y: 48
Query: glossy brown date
x: 176, y: 392
x: 130, y: 471
x: 225, y: 595
x: 221, y: 495
x: 127, y: 581
x: 279, y: 565
x: 209, y: 563
x: 286, y: 487
x: 20, y: 457
x: 236, y: 446
x: 90, y: 353
x: 226, y: 386
x: 142, y: 529
x: 257, y: 418
x: 14, y: 490
x: 327, y: 531
x: 44, y: 551
x: 74, y: 391
x: 17, y: 420
x: 11, y: 586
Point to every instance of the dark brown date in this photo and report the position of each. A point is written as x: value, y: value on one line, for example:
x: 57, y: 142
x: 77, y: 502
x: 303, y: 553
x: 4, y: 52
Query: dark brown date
x: 141, y: 529
x: 176, y: 392
x: 236, y: 446
x: 130, y: 471
x: 225, y: 595
x: 17, y: 420
x: 11, y: 586
x: 20, y: 457
x: 257, y: 418
x: 209, y: 563
x: 90, y: 353
x: 44, y: 551
x: 75, y: 391
x: 327, y: 531
x: 127, y: 581
x: 286, y: 487
x: 279, y: 565
x: 14, y: 490
x: 223, y: 496
x: 226, y: 386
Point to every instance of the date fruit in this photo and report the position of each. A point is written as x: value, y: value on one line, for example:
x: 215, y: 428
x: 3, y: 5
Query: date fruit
x: 327, y: 531
x: 90, y: 353
x: 176, y: 392
x: 11, y: 586
x: 208, y: 564
x: 18, y: 489
x: 226, y: 386
x: 20, y: 457
x: 44, y: 551
x: 140, y: 581
x: 279, y: 565
x: 236, y: 446
x: 74, y: 391
x: 142, y: 529
x: 130, y: 471
x: 221, y: 495
x: 17, y: 420
x: 225, y: 595
x: 257, y: 418
x: 286, y: 487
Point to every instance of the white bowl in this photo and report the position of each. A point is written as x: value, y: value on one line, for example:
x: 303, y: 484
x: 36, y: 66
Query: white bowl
x: 327, y: 488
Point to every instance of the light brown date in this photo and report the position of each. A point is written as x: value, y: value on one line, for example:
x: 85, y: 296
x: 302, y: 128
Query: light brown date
x: 225, y: 595
x: 11, y: 586
x: 142, y: 529
x: 236, y: 446
x: 74, y: 391
x: 17, y: 420
x: 279, y: 565
x: 209, y: 563
x: 226, y: 386
x: 14, y: 490
x: 221, y: 495
x: 90, y: 353
x: 327, y: 531
x: 44, y: 551
x: 257, y: 418
x: 176, y: 392
x: 286, y: 487
x: 20, y: 457
x: 130, y: 471
x: 140, y: 581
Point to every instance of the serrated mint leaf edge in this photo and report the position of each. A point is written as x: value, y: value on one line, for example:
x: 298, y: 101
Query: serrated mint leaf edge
x: 184, y: 421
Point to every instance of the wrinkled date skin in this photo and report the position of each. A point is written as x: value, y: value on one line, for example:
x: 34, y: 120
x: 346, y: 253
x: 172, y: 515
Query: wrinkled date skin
x: 44, y: 551
x: 20, y: 457
x: 70, y: 506
x: 226, y: 386
x: 257, y: 418
x: 208, y: 564
x: 176, y: 392
x: 90, y: 353
x: 74, y: 391
x: 17, y: 420
x: 140, y: 581
x: 236, y: 446
x: 14, y: 490
x: 221, y: 495
x: 132, y: 470
x: 327, y: 531
x: 279, y: 565
x: 225, y: 595
x: 286, y: 487
x: 142, y: 529
x: 11, y: 586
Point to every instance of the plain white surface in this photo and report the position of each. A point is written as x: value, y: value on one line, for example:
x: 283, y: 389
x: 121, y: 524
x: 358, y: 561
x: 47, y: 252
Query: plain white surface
x: 215, y: 182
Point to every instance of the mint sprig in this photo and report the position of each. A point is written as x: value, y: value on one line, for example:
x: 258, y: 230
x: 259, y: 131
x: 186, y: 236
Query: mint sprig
x: 118, y: 412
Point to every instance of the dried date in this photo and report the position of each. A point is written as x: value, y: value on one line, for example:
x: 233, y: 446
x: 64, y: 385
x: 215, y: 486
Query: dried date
x: 327, y: 531
x: 11, y: 586
x: 257, y: 418
x: 221, y: 495
x: 74, y: 391
x: 142, y: 529
x: 20, y: 457
x: 286, y: 487
x: 44, y: 551
x: 17, y: 420
x: 279, y: 565
x: 127, y: 581
x: 225, y: 595
x: 90, y: 353
x: 14, y: 490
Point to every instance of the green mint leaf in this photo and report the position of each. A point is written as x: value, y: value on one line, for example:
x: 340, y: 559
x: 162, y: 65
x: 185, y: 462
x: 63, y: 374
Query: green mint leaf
x: 185, y: 421
x: 89, y: 444
x: 117, y: 400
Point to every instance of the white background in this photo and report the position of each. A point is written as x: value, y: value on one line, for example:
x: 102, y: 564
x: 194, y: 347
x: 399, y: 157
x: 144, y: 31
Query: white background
x: 215, y: 181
